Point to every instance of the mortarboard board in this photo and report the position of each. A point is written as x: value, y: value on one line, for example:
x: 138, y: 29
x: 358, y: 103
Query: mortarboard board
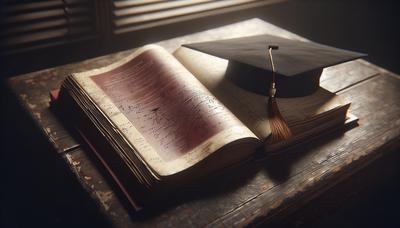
x: 298, y: 64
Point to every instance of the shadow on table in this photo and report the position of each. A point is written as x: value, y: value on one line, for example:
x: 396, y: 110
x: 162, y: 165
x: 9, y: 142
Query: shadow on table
x: 279, y: 166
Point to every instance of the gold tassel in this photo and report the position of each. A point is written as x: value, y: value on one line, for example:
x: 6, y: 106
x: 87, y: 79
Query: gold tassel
x: 279, y: 129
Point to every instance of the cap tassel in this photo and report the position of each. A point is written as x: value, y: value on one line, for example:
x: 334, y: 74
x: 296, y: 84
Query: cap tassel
x: 279, y: 129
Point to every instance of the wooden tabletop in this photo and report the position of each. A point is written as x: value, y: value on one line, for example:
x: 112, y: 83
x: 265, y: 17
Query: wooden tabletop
x: 260, y: 191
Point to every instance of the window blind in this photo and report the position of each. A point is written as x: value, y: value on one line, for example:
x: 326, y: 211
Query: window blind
x: 132, y: 15
x: 73, y: 30
x: 33, y: 24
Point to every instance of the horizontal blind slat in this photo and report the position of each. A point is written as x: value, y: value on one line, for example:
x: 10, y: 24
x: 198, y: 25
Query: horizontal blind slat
x: 33, y: 27
x: 43, y: 25
x: 61, y: 33
x: 44, y: 15
x: 129, y: 3
x: 22, y: 7
x: 156, y: 7
x: 30, y: 6
x: 26, y: 17
x: 34, y: 37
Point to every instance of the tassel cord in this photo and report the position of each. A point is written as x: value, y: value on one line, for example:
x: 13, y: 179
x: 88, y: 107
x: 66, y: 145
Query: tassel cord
x: 279, y: 128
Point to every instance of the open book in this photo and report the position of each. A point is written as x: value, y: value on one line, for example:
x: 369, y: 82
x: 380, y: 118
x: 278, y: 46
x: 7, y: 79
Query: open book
x: 159, y: 120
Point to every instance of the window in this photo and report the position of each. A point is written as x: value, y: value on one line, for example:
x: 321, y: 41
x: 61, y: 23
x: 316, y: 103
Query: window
x: 73, y: 30
x: 28, y: 25
x: 132, y: 15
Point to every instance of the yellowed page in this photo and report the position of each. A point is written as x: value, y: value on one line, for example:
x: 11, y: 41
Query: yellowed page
x: 161, y: 110
x: 249, y: 107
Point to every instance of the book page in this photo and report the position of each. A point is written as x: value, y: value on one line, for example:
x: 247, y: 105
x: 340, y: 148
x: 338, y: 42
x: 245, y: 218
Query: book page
x: 164, y: 112
x: 249, y: 107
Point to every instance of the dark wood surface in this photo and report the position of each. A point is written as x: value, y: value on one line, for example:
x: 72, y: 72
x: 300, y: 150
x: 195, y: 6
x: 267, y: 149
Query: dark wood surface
x: 259, y: 192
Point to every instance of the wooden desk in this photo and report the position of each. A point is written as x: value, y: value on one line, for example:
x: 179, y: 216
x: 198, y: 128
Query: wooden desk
x: 263, y: 191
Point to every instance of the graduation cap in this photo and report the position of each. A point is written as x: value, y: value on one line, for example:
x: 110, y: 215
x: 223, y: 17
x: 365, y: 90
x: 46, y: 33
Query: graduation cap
x: 294, y: 70
x: 298, y: 64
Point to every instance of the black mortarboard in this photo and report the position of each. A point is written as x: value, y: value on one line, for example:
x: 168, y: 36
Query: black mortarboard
x: 298, y: 64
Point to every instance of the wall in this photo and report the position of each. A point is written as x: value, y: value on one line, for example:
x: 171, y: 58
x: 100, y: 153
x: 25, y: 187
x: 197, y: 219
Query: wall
x: 368, y: 26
